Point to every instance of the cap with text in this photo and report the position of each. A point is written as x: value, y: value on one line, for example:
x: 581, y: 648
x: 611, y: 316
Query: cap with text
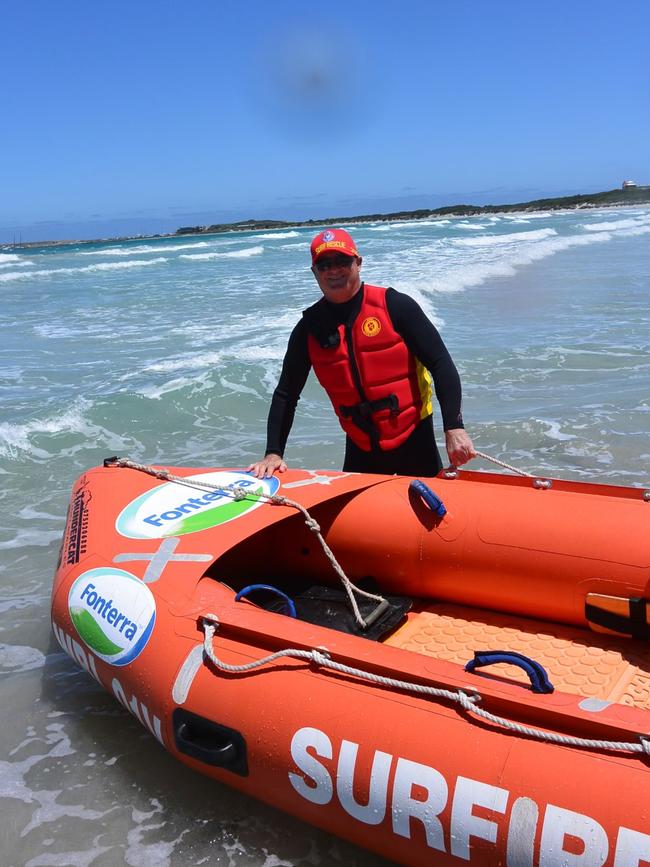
x: 333, y: 241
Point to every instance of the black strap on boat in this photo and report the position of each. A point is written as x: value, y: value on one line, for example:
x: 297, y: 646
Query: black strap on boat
x: 635, y: 624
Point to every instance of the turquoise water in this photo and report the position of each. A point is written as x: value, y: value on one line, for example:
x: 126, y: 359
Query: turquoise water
x: 167, y: 351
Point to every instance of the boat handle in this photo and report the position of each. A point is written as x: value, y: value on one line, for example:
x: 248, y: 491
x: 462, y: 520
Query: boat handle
x: 220, y: 755
x: 539, y: 681
x: 290, y: 608
x: 432, y: 500
x: 210, y: 742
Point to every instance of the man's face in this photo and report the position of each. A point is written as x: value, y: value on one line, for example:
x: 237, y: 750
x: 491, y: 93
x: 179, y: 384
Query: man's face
x: 338, y: 276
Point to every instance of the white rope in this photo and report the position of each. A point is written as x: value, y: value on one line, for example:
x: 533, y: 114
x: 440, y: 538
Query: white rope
x: 238, y: 493
x: 469, y: 703
x: 503, y: 464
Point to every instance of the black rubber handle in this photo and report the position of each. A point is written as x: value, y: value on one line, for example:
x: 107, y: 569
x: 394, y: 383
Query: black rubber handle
x: 220, y: 755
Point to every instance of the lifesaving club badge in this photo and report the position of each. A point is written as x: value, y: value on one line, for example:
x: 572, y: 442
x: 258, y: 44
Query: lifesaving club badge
x: 371, y: 326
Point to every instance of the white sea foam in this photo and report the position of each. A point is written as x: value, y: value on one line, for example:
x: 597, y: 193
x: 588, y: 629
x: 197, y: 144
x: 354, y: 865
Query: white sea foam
x: 210, y: 360
x: 141, y: 850
x: 616, y: 225
x: 475, y: 227
x: 232, y: 254
x: 58, y: 330
x: 416, y: 224
x: 554, y: 429
x: 239, y: 325
x: 13, y: 782
x: 631, y: 233
x: 18, y: 657
x: 102, y: 266
x: 146, y: 248
x: 29, y: 513
x: 538, y: 215
x: 194, y: 384
x: 464, y: 274
x: 9, y: 260
x: 273, y: 236
x: 237, y: 387
x: 257, y: 353
x: 50, y: 806
x: 497, y: 240
x: 118, y: 266
x: 189, y: 362
x: 16, y: 440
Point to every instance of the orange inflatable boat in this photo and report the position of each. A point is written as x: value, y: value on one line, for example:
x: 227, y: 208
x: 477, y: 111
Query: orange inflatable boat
x: 448, y: 672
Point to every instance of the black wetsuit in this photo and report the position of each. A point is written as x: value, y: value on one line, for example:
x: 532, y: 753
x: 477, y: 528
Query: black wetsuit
x: 419, y: 454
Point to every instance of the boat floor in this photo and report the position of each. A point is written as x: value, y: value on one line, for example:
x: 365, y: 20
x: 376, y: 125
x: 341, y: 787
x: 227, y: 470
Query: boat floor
x: 589, y: 664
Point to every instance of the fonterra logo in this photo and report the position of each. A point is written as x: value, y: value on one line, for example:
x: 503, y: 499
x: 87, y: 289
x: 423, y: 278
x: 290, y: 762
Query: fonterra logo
x: 174, y: 510
x: 113, y: 612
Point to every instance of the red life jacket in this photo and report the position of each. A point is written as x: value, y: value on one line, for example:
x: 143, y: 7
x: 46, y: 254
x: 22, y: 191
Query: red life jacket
x: 379, y: 390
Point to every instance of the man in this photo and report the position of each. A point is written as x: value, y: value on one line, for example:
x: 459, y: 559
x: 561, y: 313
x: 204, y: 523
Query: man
x: 375, y: 352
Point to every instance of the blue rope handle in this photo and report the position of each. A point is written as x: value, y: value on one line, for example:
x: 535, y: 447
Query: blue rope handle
x: 290, y: 608
x: 539, y: 681
x: 432, y: 500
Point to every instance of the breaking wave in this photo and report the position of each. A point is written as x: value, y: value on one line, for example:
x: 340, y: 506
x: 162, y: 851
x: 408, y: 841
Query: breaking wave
x: 232, y: 254
x: 102, y: 266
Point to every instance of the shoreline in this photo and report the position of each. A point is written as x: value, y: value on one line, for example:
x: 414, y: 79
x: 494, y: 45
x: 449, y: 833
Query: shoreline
x: 595, y: 201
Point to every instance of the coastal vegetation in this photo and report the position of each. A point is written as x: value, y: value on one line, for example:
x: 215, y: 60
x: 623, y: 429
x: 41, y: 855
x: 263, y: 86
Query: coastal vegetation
x: 628, y: 196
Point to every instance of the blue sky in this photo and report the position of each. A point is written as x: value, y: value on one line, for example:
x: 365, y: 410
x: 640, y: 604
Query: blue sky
x: 138, y: 117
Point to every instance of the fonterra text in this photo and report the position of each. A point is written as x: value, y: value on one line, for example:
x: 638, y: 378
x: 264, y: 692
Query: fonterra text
x: 592, y: 846
x: 106, y: 609
x: 192, y: 504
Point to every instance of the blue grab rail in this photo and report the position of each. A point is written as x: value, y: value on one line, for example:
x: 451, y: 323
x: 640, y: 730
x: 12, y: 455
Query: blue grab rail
x: 432, y: 500
x: 290, y: 608
x: 539, y: 681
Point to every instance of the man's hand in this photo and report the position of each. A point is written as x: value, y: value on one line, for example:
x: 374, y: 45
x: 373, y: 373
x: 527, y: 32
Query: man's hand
x: 459, y: 446
x: 267, y: 466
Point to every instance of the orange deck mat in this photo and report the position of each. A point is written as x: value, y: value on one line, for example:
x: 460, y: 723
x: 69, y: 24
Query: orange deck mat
x: 577, y: 661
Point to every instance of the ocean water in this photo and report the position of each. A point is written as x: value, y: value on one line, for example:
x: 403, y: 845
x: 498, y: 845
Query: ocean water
x: 167, y: 351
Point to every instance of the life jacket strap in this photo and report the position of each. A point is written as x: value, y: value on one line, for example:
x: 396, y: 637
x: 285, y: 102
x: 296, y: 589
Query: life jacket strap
x: 365, y: 409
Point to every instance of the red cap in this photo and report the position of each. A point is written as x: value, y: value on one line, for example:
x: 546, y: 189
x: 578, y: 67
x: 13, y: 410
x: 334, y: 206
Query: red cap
x: 332, y: 241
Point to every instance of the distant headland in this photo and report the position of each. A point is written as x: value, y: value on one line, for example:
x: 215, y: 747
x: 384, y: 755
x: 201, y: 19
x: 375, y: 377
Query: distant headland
x: 633, y: 195
x: 629, y: 194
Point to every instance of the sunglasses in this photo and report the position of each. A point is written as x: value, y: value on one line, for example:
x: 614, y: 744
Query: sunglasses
x: 334, y: 262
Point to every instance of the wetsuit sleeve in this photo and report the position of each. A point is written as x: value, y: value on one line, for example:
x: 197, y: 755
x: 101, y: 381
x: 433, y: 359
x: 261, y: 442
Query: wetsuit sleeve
x: 295, y: 370
x: 424, y: 341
